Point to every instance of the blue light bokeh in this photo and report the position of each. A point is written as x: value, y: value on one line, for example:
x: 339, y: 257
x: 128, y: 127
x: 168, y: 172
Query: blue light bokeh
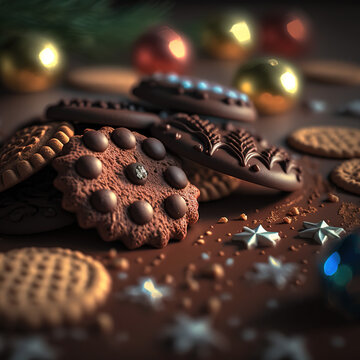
x: 332, y: 263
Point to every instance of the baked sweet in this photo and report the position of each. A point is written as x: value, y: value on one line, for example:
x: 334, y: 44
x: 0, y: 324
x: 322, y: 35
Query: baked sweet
x: 41, y: 287
x: 195, y: 96
x: 126, y: 186
x: 347, y: 176
x: 30, y: 149
x: 236, y: 152
x: 328, y: 141
x: 123, y: 113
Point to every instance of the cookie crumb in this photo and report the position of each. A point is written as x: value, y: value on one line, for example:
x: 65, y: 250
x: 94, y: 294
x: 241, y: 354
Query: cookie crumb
x: 237, y: 253
x: 262, y: 252
x: 287, y: 220
x: 208, y: 232
x: 186, y: 303
x: 221, y: 253
x: 293, y: 248
x: 120, y: 264
x: 213, y: 305
x: 156, y: 262
x: 223, y: 220
x: 294, y: 211
x: 214, y: 271
x: 200, y: 241
x: 333, y: 198
x: 112, y: 253
x: 229, y: 234
x: 147, y: 270
x: 304, y: 261
x: 104, y: 323
x: 219, y: 240
x: 242, y: 216
x: 168, y: 279
x: 139, y: 260
x: 162, y: 256
x: 192, y: 284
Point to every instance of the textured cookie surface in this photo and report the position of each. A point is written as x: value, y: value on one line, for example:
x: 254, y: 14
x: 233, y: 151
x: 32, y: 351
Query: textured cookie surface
x: 33, y: 206
x: 234, y: 152
x: 30, y: 149
x: 347, y: 176
x: 212, y: 184
x: 195, y: 96
x: 123, y: 113
x: 329, y: 71
x: 327, y: 141
x: 41, y: 287
x: 127, y: 187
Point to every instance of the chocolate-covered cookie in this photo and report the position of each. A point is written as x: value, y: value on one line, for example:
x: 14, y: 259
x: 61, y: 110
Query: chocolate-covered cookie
x: 126, y: 186
x: 234, y: 152
x: 33, y: 206
x: 192, y: 95
x: 122, y: 113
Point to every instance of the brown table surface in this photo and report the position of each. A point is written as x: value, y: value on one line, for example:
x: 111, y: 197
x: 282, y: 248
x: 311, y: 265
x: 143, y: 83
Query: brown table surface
x: 301, y: 309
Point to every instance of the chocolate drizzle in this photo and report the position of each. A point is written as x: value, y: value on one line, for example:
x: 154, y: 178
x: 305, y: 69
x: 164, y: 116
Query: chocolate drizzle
x: 204, y: 130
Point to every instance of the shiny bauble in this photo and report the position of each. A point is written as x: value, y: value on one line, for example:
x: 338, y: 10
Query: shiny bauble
x: 161, y: 49
x: 286, y: 34
x: 274, y: 85
x: 230, y: 36
x: 29, y: 63
x: 339, y: 272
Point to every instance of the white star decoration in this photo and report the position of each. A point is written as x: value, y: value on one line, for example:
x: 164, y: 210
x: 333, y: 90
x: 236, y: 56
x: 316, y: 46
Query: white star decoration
x: 34, y: 347
x: 256, y: 237
x: 274, y: 271
x: 284, y: 347
x: 194, y: 334
x: 148, y: 292
x: 320, y: 231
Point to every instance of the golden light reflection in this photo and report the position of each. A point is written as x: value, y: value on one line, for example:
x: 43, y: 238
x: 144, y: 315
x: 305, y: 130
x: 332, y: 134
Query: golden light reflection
x: 296, y: 29
x: 246, y: 87
x: 177, y: 48
x: 289, y: 82
x: 151, y: 289
x: 241, y: 32
x: 49, y: 56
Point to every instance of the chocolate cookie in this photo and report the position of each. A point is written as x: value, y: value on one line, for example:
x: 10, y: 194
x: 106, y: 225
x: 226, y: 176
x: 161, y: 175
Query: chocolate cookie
x: 236, y: 152
x: 347, y: 176
x: 33, y: 206
x: 191, y: 95
x: 212, y: 184
x: 126, y: 186
x: 44, y: 287
x: 328, y: 141
x: 122, y: 113
x: 29, y: 150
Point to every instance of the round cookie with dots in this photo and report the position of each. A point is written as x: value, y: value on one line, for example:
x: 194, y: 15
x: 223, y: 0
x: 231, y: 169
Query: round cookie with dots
x: 195, y: 96
x: 127, y: 187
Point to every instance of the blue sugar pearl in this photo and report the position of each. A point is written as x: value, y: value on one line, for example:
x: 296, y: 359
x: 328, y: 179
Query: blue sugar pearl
x: 173, y: 78
x: 243, y: 97
x: 217, y: 89
x: 187, y: 84
x: 231, y: 94
x: 202, y: 85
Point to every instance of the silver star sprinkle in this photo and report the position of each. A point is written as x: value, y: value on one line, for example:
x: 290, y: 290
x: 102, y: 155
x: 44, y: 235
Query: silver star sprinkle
x: 148, y: 292
x: 285, y: 347
x: 256, y: 237
x: 189, y: 334
x: 274, y: 271
x: 30, y: 348
x: 320, y: 231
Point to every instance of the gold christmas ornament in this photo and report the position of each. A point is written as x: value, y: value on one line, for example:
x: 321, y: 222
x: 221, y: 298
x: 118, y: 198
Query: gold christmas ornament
x: 230, y: 36
x: 29, y: 63
x: 274, y: 85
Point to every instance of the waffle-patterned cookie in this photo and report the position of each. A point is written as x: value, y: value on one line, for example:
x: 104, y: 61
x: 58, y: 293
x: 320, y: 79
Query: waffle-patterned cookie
x: 327, y: 141
x: 347, y: 176
x: 41, y: 287
x: 30, y: 149
x: 127, y: 187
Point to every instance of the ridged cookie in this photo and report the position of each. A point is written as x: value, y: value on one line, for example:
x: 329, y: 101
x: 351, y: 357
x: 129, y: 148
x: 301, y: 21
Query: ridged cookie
x: 30, y: 149
x: 347, y: 176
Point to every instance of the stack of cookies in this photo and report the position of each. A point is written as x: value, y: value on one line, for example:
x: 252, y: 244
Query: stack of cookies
x: 137, y: 187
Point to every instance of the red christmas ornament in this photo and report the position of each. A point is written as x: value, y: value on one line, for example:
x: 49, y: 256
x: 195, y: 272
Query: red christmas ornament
x: 286, y: 34
x: 161, y: 49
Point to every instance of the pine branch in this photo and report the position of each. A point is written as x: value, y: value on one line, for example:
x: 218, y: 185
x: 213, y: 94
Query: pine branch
x: 86, y: 26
